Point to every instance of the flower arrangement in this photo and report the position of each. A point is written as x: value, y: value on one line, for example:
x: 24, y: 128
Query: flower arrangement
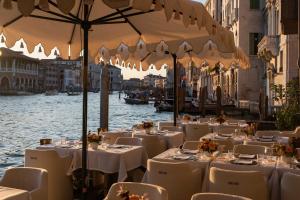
x: 220, y: 119
x: 94, y: 138
x: 288, y: 150
x: 125, y: 194
x: 186, y: 117
x: 207, y: 145
x: 144, y: 125
x: 249, y: 130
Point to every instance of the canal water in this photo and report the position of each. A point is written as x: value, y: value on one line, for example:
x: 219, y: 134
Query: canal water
x: 26, y: 119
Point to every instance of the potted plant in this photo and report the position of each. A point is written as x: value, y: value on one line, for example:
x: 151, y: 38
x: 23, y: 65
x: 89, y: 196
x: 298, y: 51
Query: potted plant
x: 94, y: 140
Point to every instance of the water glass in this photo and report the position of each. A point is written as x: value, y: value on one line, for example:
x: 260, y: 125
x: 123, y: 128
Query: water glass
x: 230, y: 154
x: 63, y: 140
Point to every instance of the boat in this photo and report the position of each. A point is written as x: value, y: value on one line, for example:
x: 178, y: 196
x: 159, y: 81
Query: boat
x: 137, y: 98
x: 164, y: 107
x: 73, y: 91
x: 51, y: 93
x: 136, y: 101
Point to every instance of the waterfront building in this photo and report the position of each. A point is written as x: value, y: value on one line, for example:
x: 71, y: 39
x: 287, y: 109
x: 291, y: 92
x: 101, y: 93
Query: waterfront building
x: 192, y: 77
x: 116, y: 78
x: 245, y: 18
x: 18, y: 72
x: 60, y: 74
x: 132, y: 84
x: 279, y: 52
x: 94, y: 76
x: 153, y: 81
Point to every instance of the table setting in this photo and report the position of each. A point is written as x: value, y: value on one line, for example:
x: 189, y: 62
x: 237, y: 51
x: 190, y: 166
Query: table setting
x: 104, y: 157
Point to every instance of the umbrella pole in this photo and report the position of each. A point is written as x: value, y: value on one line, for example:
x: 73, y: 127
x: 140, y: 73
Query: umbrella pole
x: 85, y: 26
x: 175, y: 106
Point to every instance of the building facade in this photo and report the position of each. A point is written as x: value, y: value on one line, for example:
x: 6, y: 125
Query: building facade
x: 153, y: 81
x: 279, y: 52
x: 245, y: 18
x: 18, y: 72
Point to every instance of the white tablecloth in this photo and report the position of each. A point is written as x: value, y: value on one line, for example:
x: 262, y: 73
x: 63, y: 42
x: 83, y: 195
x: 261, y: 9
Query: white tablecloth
x: 201, y: 161
x: 108, y: 160
x: 13, y: 194
x: 214, y: 136
x: 172, y: 139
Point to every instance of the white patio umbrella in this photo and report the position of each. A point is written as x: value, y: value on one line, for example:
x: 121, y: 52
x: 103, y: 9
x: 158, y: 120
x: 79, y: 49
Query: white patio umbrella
x: 73, y: 25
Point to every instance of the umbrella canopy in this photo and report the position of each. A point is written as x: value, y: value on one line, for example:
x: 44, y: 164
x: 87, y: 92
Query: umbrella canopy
x: 114, y: 24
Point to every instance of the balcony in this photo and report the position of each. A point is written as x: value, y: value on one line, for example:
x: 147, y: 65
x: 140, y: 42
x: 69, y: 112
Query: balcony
x: 268, y: 47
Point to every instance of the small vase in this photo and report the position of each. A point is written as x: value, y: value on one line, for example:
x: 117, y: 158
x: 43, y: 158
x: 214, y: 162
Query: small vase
x: 94, y: 145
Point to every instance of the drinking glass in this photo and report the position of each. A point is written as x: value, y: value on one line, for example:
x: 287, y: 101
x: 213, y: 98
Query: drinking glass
x: 63, y: 140
x: 230, y: 154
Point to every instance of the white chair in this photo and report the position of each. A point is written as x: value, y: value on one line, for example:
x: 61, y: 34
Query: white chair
x: 153, y: 144
x: 251, y: 184
x: 151, y: 191
x: 217, y: 196
x: 195, y: 131
x: 267, y: 133
x: 224, y: 145
x: 249, y: 149
x: 192, y: 145
x: 111, y: 137
x: 133, y: 141
x: 59, y: 183
x: 180, y: 179
x: 228, y: 129
x: 166, y: 123
x: 290, y: 186
x: 33, y: 180
x: 171, y: 128
x: 258, y: 143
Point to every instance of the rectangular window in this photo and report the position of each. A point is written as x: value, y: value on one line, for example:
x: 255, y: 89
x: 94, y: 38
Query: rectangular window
x: 281, y: 62
x: 254, y: 39
x: 255, y: 4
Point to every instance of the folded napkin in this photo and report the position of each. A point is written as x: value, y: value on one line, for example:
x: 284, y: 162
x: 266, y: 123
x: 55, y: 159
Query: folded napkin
x: 189, y: 151
x: 243, y: 162
x: 117, y: 146
x: 225, y: 134
x: 247, y: 156
x: 183, y: 157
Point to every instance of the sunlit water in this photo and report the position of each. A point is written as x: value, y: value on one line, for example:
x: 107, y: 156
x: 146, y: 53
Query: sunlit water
x: 26, y: 119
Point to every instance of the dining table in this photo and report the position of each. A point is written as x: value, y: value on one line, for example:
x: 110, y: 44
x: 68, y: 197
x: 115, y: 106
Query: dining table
x: 7, y: 193
x: 107, y: 158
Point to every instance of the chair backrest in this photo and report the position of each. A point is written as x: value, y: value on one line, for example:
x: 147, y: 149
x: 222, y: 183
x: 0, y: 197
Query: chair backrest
x: 34, y: 180
x: 171, y: 128
x: 59, y: 184
x: 249, y: 149
x: 290, y: 186
x: 134, y: 141
x: 251, y: 184
x: 217, y: 196
x: 224, y: 145
x: 153, y: 144
x: 166, y: 123
x: 265, y: 144
x: 195, y: 131
x: 267, y: 133
x: 149, y: 190
x: 192, y: 145
x: 228, y: 129
x: 111, y: 137
x: 172, y: 176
